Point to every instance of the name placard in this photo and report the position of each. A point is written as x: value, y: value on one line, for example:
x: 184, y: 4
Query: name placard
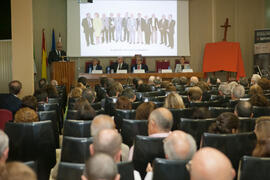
x: 166, y: 71
x: 121, y: 71
x: 187, y: 70
x: 97, y: 72
x: 139, y: 71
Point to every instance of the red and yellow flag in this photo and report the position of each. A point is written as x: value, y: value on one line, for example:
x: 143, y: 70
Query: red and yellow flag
x: 44, y: 57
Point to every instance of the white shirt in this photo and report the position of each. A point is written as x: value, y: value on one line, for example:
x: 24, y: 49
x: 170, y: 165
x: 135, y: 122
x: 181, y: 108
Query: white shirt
x: 149, y: 176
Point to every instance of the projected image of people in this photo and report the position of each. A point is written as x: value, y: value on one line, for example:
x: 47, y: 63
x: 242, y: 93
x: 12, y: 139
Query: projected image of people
x: 87, y: 24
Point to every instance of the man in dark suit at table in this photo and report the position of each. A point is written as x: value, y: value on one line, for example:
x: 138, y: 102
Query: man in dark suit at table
x: 10, y: 101
x: 88, y: 29
x: 57, y: 55
x: 139, y: 65
x: 119, y: 65
x: 94, y: 66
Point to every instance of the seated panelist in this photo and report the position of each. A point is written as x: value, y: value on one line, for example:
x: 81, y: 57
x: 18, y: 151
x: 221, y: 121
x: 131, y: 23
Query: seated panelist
x: 139, y: 65
x: 94, y: 66
x: 57, y: 55
x: 183, y: 65
x: 119, y: 65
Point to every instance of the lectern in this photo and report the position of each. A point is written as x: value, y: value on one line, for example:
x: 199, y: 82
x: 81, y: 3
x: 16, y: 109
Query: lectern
x: 63, y: 73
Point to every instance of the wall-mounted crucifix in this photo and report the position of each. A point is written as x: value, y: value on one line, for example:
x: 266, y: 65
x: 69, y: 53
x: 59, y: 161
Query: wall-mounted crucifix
x: 225, y: 26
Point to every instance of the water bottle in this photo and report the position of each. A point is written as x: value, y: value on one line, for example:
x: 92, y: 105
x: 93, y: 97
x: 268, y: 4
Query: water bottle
x: 169, y: 67
x: 133, y: 69
x: 108, y: 70
x: 90, y: 70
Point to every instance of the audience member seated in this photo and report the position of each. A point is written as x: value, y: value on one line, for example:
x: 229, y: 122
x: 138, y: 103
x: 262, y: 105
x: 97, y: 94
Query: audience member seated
x: 171, y: 88
x: 10, y: 101
x: 201, y: 113
x: 262, y: 132
x: 259, y: 100
x: 80, y: 85
x: 94, y: 66
x: 123, y: 103
x: 226, y: 123
x: 119, y: 65
x: 129, y: 93
x: 89, y: 94
x: 177, y: 146
x: 82, y: 80
x: 243, y: 109
x: 42, y: 83
x: 183, y: 80
x: 139, y: 65
x: 157, y: 82
x: 100, y: 166
x: 160, y: 123
x: 54, y: 83
x: 174, y: 101
x: 210, y: 164
x: 255, y: 89
x: 101, y: 122
x: 18, y: 170
x: 52, y: 91
x: 194, y: 94
x: 85, y: 109
x: 224, y: 89
x: 175, y: 81
x: 244, y: 82
x: 76, y: 93
x: 137, y: 82
x: 165, y: 84
x: 193, y: 81
x: 30, y: 101
x: 143, y: 110
x: 4, y: 147
x: 144, y: 88
x: 255, y: 78
x: 109, y: 141
x: 264, y: 83
x: 41, y: 95
x: 26, y: 115
x: 205, y: 88
x: 151, y: 80
x: 237, y: 92
x: 212, y: 81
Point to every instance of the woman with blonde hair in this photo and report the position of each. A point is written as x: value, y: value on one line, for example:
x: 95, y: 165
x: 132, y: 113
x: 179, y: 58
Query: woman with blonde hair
x: 76, y: 93
x: 262, y: 131
x: 174, y: 101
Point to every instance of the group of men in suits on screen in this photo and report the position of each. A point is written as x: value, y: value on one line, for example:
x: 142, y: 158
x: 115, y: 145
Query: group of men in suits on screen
x: 140, y: 29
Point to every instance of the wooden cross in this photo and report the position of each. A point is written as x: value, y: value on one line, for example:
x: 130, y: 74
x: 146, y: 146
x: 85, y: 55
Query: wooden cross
x: 226, y: 26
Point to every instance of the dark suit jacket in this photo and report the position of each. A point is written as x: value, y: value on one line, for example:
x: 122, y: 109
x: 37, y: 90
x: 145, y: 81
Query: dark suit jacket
x: 86, y: 27
x: 143, y: 66
x: 10, y: 102
x: 99, y: 67
x: 115, y: 65
x: 53, y: 56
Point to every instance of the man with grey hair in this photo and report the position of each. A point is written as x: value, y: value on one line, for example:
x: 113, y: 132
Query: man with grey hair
x: 100, y: 166
x: 224, y: 89
x: 193, y: 81
x: 151, y: 80
x: 109, y: 141
x: 237, y: 92
x: 160, y: 123
x: 177, y: 146
x: 255, y: 78
x: 4, y: 146
x: 102, y: 122
x: 89, y: 94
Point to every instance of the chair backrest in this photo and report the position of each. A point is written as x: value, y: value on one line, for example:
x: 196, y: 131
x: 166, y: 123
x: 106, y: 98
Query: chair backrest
x: 246, y: 124
x: 73, y: 114
x: 51, y: 115
x: 261, y: 111
x: 75, y: 150
x: 195, y: 127
x: 251, y: 168
x: 53, y: 100
x: 126, y: 170
x: 5, y: 116
x: 146, y: 149
x: 77, y: 128
x: 109, y: 106
x: 180, y: 113
x: 70, y: 171
x: 170, y: 169
x: 162, y: 65
x: 132, y: 128
x: 96, y: 105
x: 136, y: 104
x: 233, y: 145
x: 216, y: 111
x: 121, y: 114
x: 33, y: 165
x: 32, y: 142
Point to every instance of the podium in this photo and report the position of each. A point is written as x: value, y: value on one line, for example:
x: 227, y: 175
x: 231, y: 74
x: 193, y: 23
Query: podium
x: 63, y: 73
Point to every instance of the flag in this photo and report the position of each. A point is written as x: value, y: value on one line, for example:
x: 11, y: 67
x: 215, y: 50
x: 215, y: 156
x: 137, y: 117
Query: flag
x: 44, y: 57
x: 53, y: 41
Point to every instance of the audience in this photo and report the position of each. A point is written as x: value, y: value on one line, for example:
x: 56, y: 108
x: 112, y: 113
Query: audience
x: 4, y: 147
x: 76, y: 93
x: 193, y: 81
x: 89, y: 94
x: 262, y: 132
x: 26, y: 115
x: 52, y: 91
x: 20, y: 171
x: 255, y: 89
x: 259, y: 100
x: 210, y: 164
x: 30, y: 101
x: 174, y: 101
x: 123, y: 103
x: 129, y: 93
x: 177, y: 146
x: 82, y: 80
x: 151, y: 80
x: 54, y: 83
x: 144, y: 88
x: 41, y: 95
x: 201, y: 113
x: 42, y: 83
x: 243, y: 109
x: 101, y: 167
x: 85, y: 109
x: 194, y: 94
x: 264, y: 83
x: 226, y: 123
x: 10, y: 101
x: 244, y: 82
x: 255, y: 78
x: 238, y: 92
x: 143, y: 110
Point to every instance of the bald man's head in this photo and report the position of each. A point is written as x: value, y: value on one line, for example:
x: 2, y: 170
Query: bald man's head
x: 160, y: 120
x: 179, y: 146
x: 101, y: 122
x: 107, y: 141
x: 211, y: 164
